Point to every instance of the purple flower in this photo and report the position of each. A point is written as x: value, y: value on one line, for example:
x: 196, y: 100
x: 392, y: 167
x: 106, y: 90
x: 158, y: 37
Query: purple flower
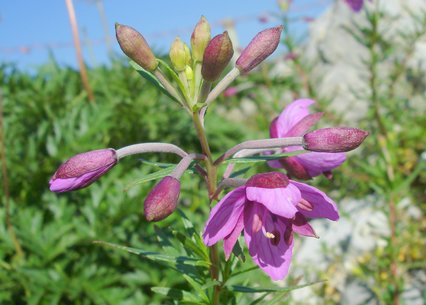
x: 269, y: 207
x: 295, y: 121
x: 355, y: 5
x: 82, y: 170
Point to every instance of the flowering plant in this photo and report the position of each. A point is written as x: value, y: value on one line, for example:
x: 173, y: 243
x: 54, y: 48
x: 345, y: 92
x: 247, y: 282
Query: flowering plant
x: 269, y: 207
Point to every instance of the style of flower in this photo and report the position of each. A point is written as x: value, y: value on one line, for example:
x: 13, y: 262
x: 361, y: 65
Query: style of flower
x: 269, y: 208
x: 295, y: 121
x: 82, y: 170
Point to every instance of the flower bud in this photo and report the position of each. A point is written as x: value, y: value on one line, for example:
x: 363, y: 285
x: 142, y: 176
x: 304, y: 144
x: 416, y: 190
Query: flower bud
x: 200, y: 38
x: 337, y: 139
x: 179, y: 55
x: 189, y: 73
x: 262, y: 45
x: 217, y: 55
x: 82, y: 170
x: 134, y: 45
x: 162, y: 200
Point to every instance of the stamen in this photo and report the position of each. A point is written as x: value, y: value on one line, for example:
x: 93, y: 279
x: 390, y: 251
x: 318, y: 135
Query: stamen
x: 305, y: 205
x: 269, y: 235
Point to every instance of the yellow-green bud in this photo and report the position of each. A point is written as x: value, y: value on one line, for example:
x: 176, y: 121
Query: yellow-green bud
x: 134, y: 45
x: 200, y: 38
x: 179, y: 55
x: 189, y: 73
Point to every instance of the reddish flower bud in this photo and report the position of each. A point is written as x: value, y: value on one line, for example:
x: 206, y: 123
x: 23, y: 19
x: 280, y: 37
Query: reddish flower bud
x: 82, y: 170
x: 217, y: 55
x: 262, y: 45
x: 162, y: 200
x: 134, y: 45
x: 337, y: 139
x: 200, y: 38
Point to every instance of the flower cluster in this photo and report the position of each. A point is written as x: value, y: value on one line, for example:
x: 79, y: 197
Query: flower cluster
x: 268, y: 207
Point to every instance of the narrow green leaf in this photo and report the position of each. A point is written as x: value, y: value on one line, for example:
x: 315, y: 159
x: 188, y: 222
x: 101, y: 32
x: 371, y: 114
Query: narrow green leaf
x: 173, y: 74
x: 153, y: 176
x: 158, y: 257
x: 197, y: 287
x: 152, y: 79
x: 238, y: 251
x: 263, y: 158
x: 178, y: 295
x: 189, y: 244
x: 245, y: 289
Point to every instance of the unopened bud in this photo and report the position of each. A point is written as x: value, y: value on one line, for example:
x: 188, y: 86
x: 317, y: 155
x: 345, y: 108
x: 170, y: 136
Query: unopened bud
x: 262, y: 45
x: 337, y: 139
x: 200, y: 38
x: 217, y: 55
x: 162, y: 200
x: 189, y: 73
x: 135, y: 47
x: 82, y: 170
x: 179, y: 55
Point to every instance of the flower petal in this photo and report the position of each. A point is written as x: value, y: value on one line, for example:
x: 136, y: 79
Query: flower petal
x: 316, y: 162
x: 280, y: 201
x: 231, y: 239
x: 323, y: 206
x: 224, y: 216
x: 301, y: 226
x: 272, y: 255
x: 291, y: 115
x: 60, y: 185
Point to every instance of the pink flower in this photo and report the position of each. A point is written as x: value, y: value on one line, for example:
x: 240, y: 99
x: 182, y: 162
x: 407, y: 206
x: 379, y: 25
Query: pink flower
x: 269, y: 207
x: 295, y: 121
x: 82, y: 170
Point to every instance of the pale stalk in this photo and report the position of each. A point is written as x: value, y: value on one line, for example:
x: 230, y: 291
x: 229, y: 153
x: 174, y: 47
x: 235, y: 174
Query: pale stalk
x: 184, y: 164
x: 169, y: 87
x: 260, y: 144
x: 222, y: 85
x: 148, y: 148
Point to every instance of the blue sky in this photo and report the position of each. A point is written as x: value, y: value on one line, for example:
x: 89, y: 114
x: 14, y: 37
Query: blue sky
x: 29, y: 29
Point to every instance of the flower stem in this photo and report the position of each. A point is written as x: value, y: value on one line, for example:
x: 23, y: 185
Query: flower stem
x: 222, y: 85
x: 168, y: 86
x: 184, y: 164
x: 211, y: 186
x: 260, y: 144
x: 150, y: 147
x: 204, y: 91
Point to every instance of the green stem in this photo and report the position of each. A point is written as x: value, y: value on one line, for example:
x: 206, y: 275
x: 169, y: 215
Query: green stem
x: 211, y: 185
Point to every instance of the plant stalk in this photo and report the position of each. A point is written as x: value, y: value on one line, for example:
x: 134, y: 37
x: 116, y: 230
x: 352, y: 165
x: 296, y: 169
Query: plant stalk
x: 82, y: 66
x: 211, y: 186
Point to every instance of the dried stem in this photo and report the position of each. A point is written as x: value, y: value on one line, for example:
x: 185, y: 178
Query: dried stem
x: 82, y: 66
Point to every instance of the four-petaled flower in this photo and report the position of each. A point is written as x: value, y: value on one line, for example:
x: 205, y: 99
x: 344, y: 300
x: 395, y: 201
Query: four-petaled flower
x: 269, y: 207
x: 295, y: 121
